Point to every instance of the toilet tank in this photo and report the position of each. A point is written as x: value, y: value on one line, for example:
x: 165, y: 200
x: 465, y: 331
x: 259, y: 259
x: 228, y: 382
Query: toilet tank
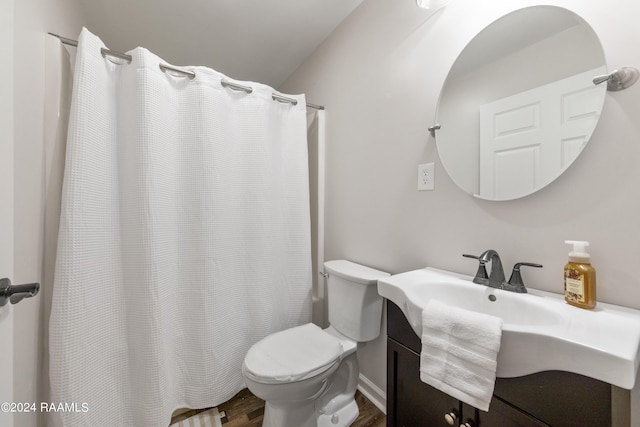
x: 355, y: 307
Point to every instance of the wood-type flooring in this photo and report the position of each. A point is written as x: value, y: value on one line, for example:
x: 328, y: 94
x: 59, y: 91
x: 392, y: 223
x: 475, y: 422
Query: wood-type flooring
x: 246, y: 410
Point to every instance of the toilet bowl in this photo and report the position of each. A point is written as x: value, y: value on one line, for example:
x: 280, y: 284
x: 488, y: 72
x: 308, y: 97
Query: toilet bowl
x: 308, y: 376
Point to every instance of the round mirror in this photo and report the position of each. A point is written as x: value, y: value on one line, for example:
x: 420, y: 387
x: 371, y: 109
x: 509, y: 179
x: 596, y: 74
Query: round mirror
x: 519, y: 104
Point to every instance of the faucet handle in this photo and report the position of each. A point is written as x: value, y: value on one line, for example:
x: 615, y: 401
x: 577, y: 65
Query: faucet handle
x: 481, y: 275
x: 515, y: 281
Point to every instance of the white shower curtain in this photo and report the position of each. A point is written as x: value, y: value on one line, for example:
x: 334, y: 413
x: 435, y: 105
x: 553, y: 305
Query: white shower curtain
x: 184, y: 238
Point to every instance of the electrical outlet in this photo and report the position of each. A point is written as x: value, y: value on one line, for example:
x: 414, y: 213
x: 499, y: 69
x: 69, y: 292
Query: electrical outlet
x: 426, y: 177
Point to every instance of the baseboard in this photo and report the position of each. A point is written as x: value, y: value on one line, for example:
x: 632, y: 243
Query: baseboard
x: 373, y: 393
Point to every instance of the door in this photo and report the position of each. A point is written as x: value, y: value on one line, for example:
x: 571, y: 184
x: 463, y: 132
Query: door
x: 6, y: 209
x: 501, y: 414
x: 411, y: 402
x: 528, y: 139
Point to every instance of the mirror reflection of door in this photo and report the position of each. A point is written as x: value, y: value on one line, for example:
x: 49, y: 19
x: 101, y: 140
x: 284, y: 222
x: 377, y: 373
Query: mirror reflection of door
x: 529, y: 49
x: 528, y: 139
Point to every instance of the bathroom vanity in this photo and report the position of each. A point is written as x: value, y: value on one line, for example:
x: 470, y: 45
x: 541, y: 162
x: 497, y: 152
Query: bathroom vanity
x: 558, y: 365
x: 551, y: 398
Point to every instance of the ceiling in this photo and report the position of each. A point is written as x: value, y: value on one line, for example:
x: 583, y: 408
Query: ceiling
x: 256, y: 40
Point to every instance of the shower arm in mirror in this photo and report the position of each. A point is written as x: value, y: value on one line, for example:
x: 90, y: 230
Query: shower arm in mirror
x: 619, y: 79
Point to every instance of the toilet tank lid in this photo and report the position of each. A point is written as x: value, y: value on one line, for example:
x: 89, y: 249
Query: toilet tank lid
x: 354, y: 272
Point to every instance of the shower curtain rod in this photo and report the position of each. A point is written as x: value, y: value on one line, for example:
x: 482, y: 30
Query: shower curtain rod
x: 190, y: 74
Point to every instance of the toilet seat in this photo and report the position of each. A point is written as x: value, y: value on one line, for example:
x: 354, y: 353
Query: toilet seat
x: 292, y: 355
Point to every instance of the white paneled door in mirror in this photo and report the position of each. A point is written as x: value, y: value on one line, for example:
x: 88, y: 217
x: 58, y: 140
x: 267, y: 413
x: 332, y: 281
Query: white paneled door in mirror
x: 519, y: 103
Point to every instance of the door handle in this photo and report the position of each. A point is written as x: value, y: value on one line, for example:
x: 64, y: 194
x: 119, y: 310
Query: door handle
x: 16, y: 293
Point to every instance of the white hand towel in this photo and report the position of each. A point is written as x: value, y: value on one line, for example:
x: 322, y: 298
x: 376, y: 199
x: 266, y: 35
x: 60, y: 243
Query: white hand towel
x: 459, y: 352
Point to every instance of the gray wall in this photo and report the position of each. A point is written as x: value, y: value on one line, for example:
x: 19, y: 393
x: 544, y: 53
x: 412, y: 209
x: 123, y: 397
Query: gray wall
x: 379, y: 76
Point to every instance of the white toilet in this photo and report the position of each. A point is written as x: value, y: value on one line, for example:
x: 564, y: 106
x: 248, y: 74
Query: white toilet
x: 307, y: 375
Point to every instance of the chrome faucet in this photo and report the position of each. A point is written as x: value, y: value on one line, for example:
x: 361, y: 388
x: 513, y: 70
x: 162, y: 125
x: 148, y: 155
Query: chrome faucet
x: 496, y: 278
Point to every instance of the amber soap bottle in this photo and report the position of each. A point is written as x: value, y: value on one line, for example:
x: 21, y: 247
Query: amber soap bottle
x: 579, y: 277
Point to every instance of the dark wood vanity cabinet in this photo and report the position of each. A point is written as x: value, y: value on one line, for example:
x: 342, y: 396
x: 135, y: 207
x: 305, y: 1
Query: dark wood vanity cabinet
x: 558, y: 399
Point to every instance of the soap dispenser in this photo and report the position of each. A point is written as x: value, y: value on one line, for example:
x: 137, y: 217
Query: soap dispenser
x: 579, y: 277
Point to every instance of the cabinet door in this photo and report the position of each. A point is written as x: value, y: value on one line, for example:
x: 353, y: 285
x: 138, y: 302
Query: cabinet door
x: 560, y: 399
x: 501, y: 414
x: 412, y: 403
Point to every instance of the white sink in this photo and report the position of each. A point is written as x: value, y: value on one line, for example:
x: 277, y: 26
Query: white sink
x: 540, y: 331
